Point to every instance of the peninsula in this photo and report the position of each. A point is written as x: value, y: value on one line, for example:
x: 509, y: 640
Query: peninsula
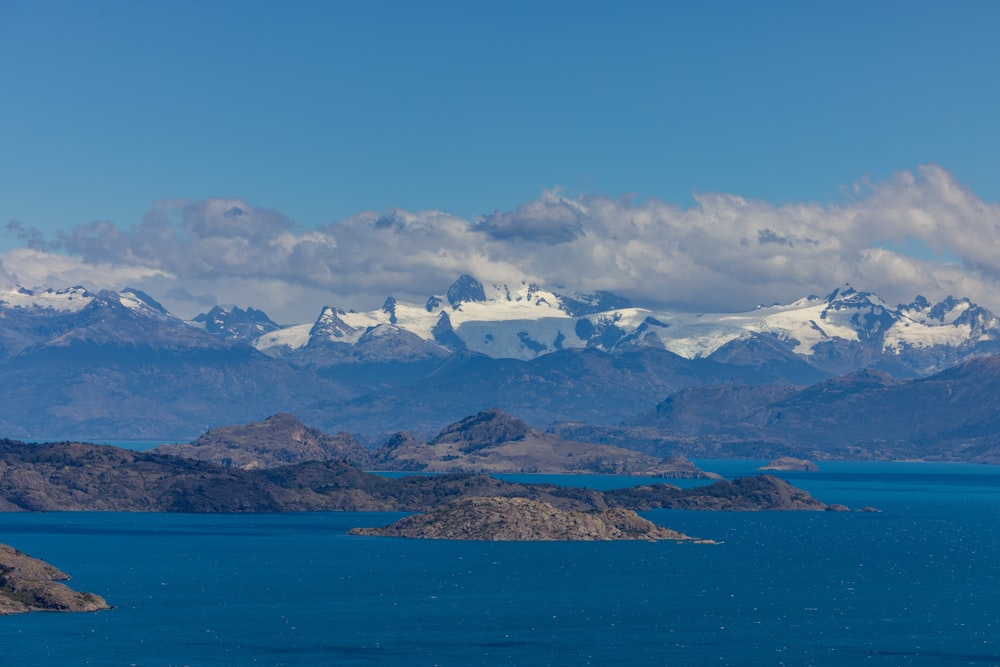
x: 29, y: 584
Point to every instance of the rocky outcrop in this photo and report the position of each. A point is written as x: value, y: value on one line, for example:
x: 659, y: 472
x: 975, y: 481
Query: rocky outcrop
x: 493, y: 441
x: 519, y: 519
x: 788, y: 464
x: 279, y: 440
x: 28, y: 584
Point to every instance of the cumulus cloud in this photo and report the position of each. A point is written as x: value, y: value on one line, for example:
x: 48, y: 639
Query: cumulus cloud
x: 39, y: 269
x: 725, y: 252
x: 550, y: 219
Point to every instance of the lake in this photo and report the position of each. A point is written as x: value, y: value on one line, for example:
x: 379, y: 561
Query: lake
x: 917, y: 583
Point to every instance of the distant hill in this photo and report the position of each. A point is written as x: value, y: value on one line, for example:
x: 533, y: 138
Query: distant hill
x: 77, y: 476
x: 490, y: 441
x: 952, y: 415
x: 279, y: 440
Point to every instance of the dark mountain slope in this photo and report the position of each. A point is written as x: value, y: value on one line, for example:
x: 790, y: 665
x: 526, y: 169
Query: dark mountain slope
x: 135, y: 392
x: 576, y: 385
x: 954, y: 415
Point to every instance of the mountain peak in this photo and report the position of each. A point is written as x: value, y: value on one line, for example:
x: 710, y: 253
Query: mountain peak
x: 69, y: 299
x: 841, y: 293
x: 144, y: 299
x: 466, y: 288
x: 236, y: 324
x: 330, y: 325
x: 488, y: 428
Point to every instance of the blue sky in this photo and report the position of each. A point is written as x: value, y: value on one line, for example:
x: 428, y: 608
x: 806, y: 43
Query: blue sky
x: 319, y: 111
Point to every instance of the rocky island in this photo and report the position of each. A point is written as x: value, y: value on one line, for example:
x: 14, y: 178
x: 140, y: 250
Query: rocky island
x: 28, y: 584
x: 789, y: 464
x: 520, y: 519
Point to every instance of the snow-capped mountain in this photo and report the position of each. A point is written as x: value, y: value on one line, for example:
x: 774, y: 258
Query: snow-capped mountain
x: 58, y: 318
x: 236, y: 324
x: 842, y: 331
x: 121, y: 365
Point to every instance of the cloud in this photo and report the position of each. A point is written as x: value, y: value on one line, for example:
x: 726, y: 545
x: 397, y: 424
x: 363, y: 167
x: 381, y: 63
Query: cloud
x: 550, y: 219
x: 725, y: 252
x: 32, y: 238
x: 40, y: 269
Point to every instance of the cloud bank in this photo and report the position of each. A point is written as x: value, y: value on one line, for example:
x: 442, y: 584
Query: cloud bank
x: 725, y: 252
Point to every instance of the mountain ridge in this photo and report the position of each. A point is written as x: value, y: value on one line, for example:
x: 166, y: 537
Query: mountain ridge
x: 117, y: 365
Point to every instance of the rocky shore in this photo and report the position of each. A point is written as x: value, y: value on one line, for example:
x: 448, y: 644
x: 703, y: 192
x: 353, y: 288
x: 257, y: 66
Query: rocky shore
x: 29, y: 584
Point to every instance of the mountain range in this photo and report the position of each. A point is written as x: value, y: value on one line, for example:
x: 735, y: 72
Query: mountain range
x: 117, y: 365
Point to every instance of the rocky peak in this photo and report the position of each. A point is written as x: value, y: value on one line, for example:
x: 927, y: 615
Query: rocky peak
x: 389, y: 308
x: 488, y: 428
x: 466, y: 289
x: 433, y: 303
x: 144, y: 299
x: 236, y: 324
x: 330, y: 326
x: 579, y: 304
x: 445, y: 335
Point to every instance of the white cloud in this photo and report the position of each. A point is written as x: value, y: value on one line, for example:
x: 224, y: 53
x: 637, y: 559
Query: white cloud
x: 724, y: 253
x: 39, y: 269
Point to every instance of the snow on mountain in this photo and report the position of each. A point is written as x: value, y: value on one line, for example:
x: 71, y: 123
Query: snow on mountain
x: 468, y: 307
x: 75, y: 299
x: 68, y: 300
x: 59, y: 318
x: 526, y: 321
x: 952, y: 322
x: 293, y: 337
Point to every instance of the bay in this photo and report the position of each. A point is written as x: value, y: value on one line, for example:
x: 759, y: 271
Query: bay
x: 916, y: 583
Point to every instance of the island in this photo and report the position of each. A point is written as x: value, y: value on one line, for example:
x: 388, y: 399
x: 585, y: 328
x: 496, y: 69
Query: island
x: 789, y: 464
x: 29, y: 584
x: 68, y: 476
x: 500, y: 519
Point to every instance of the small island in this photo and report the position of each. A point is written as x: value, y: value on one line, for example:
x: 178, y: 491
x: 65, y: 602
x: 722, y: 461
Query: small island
x: 29, y: 584
x: 500, y: 519
x: 790, y: 464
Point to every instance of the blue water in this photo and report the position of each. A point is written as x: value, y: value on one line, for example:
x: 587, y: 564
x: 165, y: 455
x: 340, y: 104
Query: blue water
x: 916, y: 584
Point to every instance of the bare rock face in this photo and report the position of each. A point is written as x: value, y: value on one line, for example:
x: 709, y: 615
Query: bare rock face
x: 520, y: 519
x: 28, y: 584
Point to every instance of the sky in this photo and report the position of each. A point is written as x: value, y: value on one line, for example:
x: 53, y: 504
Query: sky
x: 690, y: 155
